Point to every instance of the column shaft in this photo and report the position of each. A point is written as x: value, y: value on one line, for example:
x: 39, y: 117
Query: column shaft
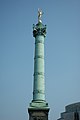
x: 39, y: 85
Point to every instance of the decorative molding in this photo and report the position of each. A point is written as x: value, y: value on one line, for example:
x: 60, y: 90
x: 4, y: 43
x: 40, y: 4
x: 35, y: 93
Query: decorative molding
x: 39, y: 29
x: 38, y: 56
x: 38, y: 91
x: 38, y: 73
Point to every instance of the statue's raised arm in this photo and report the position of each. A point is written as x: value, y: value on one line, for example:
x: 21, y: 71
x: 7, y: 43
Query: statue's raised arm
x: 40, y: 13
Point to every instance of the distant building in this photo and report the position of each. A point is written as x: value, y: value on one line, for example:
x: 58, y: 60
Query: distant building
x: 72, y: 112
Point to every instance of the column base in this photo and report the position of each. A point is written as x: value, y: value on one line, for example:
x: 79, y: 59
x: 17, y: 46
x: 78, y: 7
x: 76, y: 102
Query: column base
x: 38, y: 110
x: 38, y: 104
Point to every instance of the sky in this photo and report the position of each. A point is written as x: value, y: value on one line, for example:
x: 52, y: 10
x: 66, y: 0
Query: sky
x: 62, y: 55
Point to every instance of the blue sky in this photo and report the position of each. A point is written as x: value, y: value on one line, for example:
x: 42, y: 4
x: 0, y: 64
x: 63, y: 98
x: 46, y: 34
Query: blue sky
x: 62, y: 55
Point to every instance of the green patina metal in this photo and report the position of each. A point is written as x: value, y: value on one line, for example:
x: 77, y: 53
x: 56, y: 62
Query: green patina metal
x: 39, y: 102
x: 39, y: 32
x: 39, y: 29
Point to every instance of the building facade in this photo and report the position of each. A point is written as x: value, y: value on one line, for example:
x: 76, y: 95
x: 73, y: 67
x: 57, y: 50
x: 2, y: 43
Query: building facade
x: 72, y: 112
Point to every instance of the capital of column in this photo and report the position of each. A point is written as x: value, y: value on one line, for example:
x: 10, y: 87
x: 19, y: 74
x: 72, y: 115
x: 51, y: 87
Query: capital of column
x: 39, y: 29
